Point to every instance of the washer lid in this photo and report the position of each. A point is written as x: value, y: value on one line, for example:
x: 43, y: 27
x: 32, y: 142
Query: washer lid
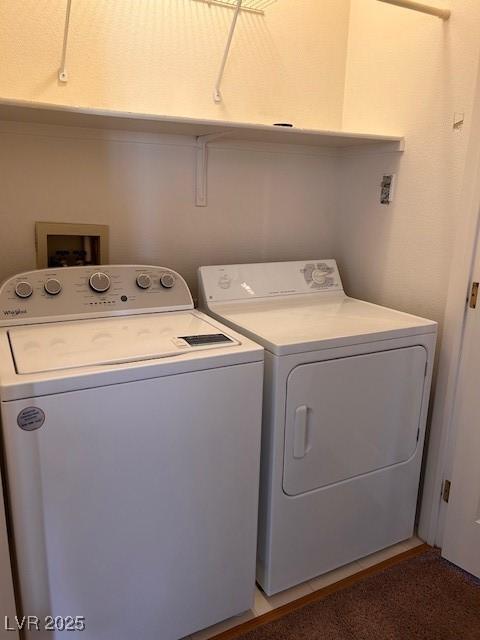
x: 295, y: 324
x: 70, y: 345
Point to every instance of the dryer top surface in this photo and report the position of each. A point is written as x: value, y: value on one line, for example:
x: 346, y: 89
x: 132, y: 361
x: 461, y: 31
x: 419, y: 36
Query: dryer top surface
x: 294, y: 324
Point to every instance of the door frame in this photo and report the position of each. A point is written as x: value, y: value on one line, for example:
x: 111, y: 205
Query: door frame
x: 442, y: 428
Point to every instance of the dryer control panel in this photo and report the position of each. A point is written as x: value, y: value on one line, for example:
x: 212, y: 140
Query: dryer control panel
x: 50, y: 295
x: 246, y: 281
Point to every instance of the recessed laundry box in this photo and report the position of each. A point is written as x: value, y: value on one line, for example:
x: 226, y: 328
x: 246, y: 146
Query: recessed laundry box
x: 345, y: 404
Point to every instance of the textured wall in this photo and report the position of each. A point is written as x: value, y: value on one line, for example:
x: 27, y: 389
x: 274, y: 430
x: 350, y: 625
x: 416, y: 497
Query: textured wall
x: 407, y: 72
x: 263, y: 205
x: 163, y: 56
x: 401, y: 71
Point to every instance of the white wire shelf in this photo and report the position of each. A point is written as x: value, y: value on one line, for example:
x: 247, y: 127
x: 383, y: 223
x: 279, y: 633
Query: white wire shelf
x: 254, y: 6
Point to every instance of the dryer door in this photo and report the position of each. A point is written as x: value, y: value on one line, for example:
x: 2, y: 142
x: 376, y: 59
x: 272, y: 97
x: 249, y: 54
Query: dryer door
x: 351, y: 416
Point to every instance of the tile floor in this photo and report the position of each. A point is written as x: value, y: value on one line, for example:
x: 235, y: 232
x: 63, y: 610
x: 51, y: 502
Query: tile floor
x: 263, y: 603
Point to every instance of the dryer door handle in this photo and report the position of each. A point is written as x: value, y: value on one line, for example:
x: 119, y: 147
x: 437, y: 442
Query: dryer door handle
x: 300, y: 445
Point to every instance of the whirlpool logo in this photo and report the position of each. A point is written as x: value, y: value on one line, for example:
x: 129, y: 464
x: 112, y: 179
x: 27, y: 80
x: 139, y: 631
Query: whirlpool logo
x: 14, y: 312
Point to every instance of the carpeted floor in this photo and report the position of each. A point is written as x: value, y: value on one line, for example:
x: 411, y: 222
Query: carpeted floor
x: 422, y: 598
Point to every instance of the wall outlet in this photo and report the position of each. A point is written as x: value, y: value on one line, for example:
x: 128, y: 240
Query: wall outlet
x: 387, y: 188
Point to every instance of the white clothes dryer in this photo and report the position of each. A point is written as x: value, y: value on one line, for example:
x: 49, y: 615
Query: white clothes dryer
x: 345, y: 404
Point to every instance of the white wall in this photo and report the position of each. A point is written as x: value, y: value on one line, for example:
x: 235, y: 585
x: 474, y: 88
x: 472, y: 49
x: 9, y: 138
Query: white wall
x: 409, y: 72
x: 401, y: 71
x: 263, y: 204
x: 163, y: 56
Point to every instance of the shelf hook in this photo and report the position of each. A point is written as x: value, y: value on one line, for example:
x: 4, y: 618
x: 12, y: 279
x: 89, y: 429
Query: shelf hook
x: 62, y: 72
x: 444, y: 14
x: 217, y: 95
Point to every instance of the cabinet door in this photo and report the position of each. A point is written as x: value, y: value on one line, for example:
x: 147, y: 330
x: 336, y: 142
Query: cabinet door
x: 351, y: 416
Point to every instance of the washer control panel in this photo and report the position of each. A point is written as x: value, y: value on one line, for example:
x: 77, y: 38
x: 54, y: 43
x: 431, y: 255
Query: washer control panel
x: 246, y: 281
x: 48, y: 295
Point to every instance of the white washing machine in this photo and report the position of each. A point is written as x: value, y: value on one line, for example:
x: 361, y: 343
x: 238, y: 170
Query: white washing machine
x: 131, y: 433
x: 345, y: 403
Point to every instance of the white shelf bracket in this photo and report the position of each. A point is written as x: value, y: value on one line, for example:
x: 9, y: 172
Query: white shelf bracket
x: 217, y: 95
x: 62, y: 72
x: 444, y: 14
x: 201, y: 169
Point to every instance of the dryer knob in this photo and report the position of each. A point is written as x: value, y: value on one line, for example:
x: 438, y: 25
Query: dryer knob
x: 319, y: 277
x: 224, y: 281
x: 144, y: 281
x: 23, y: 289
x: 52, y: 286
x: 99, y: 282
x: 167, y: 280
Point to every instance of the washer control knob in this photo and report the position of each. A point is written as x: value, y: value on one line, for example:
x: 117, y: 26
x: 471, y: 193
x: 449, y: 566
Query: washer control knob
x: 319, y: 277
x: 144, y: 281
x: 99, y: 282
x: 167, y: 280
x: 52, y: 286
x: 23, y: 289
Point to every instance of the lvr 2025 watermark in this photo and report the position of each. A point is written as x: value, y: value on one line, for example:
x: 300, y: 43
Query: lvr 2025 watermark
x: 48, y: 623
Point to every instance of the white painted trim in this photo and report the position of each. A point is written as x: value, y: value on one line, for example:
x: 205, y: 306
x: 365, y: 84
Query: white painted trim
x: 442, y: 434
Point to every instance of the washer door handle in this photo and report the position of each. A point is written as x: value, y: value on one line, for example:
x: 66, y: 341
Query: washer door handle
x: 300, y: 448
